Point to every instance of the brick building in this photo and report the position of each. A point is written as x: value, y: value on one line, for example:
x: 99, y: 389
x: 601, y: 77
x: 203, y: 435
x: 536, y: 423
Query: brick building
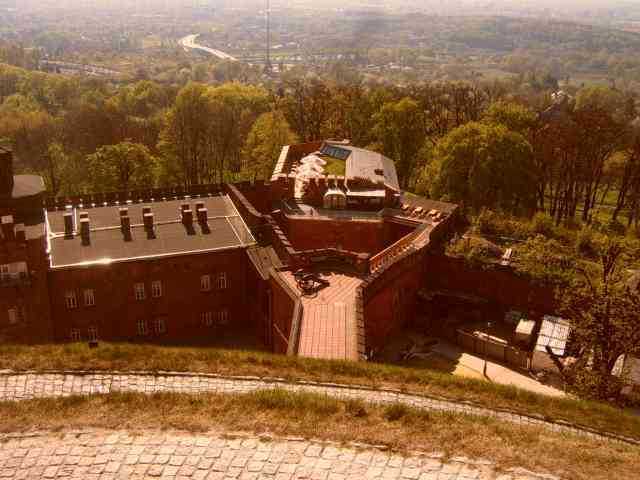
x: 172, y: 265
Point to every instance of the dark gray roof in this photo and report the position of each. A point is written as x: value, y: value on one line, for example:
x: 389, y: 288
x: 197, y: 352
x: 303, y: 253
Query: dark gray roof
x: 226, y: 229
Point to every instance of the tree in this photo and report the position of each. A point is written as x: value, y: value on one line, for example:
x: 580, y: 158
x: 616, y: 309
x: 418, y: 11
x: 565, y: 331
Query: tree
x: 486, y: 165
x: 183, y: 141
x: 604, y: 312
x: 261, y: 150
x: 514, y: 116
x: 398, y: 129
x: 122, y: 167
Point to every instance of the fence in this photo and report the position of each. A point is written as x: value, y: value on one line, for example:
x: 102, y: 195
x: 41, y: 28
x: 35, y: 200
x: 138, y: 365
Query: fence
x: 488, y: 348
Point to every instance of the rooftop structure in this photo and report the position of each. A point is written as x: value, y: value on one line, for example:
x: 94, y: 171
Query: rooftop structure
x: 144, y: 231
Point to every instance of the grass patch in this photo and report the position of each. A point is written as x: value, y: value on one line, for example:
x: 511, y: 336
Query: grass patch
x: 335, y: 166
x: 133, y: 357
x: 319, y: 417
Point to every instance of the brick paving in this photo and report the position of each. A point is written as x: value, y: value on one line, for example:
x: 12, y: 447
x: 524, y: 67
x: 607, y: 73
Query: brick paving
x: 24, y: 386
x: 110, y: 455
x: 329, y: 325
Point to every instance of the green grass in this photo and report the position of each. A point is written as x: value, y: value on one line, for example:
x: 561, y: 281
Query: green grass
x: 318, y: 417
x: 335, y: 166
x: 132, y: 357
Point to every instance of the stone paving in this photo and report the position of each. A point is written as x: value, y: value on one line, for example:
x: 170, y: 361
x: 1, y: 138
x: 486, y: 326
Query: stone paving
x: 24, y: 386
x: 110, y: 455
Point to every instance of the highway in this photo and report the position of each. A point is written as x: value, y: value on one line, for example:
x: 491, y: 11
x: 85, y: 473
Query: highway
x: 189, y: 42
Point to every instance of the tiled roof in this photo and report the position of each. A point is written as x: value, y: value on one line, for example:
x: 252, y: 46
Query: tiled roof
x: 171, y: 237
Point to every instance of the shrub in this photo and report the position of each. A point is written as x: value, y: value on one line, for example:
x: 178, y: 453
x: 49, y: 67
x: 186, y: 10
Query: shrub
x: 542, y: 224
x: 586, y: 242
x: 395, y: 412
x: 356, y: 408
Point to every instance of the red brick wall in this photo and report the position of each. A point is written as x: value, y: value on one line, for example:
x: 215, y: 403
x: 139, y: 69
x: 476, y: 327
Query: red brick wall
x: 117, y: 311
x: 498, y: 285
x: 354, y: 236
x: 390, y: 299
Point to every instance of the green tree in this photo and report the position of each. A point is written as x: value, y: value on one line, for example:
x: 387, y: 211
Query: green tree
x: 398, y: 129
x: 261, y: 150
x: 605, y: 319
x: 514, y: 116
x: 486, y: 165
x: 122, y: 167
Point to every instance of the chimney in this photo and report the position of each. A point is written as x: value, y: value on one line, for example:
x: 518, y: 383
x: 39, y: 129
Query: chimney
x: 185, y: 206
x: 6, y: 172
x: 145, y: 210
x: 148, y: 220
x: 203, y: 215
x: 68, y: 223
x: 125, y: 223
x: 187, y: 216
x: 21, y: 233
x: 7, y: 228
x: 199, y: 205
x: 85, y: 230
x: 124, y: 212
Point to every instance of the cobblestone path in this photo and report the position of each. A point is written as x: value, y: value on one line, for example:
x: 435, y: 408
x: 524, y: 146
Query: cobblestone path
x: 108, y: 455
x: 24, y: 386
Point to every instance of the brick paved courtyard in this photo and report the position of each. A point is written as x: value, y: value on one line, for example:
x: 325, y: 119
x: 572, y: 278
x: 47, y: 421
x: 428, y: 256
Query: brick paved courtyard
x: 102, y: 455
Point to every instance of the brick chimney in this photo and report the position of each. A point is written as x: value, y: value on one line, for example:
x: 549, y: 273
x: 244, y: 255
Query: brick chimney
x: 85, y: 229
x: 203, y: 215
x: 68, y: 223
x: 6, y: 172
x: 8, y: 231
x: 148, y: 219
x: 187, y: 216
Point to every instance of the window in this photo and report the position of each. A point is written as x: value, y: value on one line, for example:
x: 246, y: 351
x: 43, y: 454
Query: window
x: 13, y: 316
x: 156, y: 289
x: 138, y: 290
x: 222, y: 280
x: 4, y: 273
x: 143, y: 329
x: 223, y: 317
x: 71, y: 299
x: 75, y: 335
x: 92, y: 334
x: 207, y: 318
x: 161, y: 326
x: 205, y: 283
x: 89, y: 298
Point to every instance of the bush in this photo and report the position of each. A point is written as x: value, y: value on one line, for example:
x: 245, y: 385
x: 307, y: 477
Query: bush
x: 542, y: 224
x: 586, y: 242
x: 356, y: 408
x: 395, y: 412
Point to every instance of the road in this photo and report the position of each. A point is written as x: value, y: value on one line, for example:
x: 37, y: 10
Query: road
x: 189, y: 43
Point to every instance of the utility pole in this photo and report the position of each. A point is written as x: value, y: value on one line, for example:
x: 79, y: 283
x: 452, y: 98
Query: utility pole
x: 267, y: 64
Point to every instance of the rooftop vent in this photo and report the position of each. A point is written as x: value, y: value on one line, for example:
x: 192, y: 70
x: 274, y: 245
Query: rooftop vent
x: 203, y: 215
x: 148, y: 220
x: 124, y: 212
x: 125, y: 227
x: 187, y: 216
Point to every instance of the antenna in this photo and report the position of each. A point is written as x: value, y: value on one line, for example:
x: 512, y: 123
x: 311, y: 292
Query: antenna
x: 267, y: 64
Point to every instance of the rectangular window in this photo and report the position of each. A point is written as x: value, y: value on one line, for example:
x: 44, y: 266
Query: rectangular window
x: 89, y: 298
x: 205, y: 283
x: 75, y: 335
x: 13, y: 316
x: 4, y: 273
x: 207, y: 319
x: 71, y: 299
x: 138, y: 290
x: 222, y: 280
x: 92, y: 334
x: 161, y: 326
x: 223, y: 317
x: 156, y: 289
x: 143, y: 329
